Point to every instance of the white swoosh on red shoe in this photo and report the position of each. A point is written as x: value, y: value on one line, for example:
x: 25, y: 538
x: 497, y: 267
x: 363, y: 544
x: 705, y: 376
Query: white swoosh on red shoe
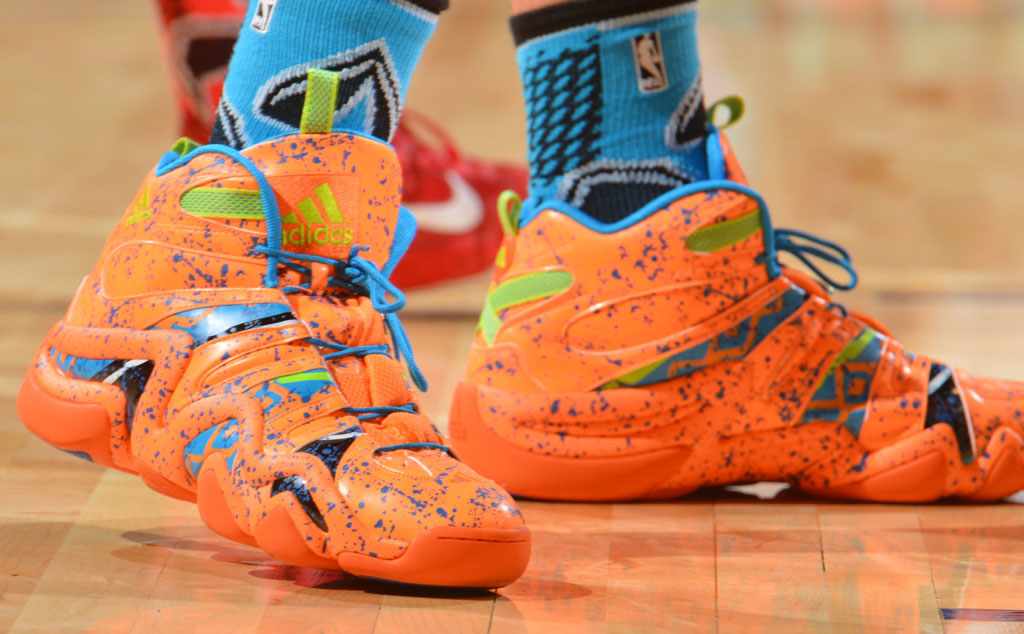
x: 461, y: 213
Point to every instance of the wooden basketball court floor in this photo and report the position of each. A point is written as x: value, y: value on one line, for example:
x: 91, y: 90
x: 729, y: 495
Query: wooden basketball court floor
x: 896, y: 127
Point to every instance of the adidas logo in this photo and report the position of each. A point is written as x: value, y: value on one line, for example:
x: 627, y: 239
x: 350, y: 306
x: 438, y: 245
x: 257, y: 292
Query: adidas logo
x: 141, y: 210
x: 307, y: 233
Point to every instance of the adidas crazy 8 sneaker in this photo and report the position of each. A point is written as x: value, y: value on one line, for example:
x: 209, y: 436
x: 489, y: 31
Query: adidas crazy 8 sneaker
x: 672, y: 351
x: 237, y: 346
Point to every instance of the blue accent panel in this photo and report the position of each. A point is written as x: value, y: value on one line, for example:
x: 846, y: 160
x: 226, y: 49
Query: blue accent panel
x: 716, y: 157
x: 696, y: 353
x: 854, y: 422
x: 82, y: 368
x: 405, y: 231
x: 276, y: 391
x: 735, y: 337
x: 946, y: 406
x: 166, y: 160
x: 791, y: 301
x: 222, y: 436
x: 827, y: 390
x: 306, y: 390
x: 78, y: 454
x: 871, y: 352
x: 829, y: 415
x: 210, y: 323
x: 736, y: 343
x: 856, y: 386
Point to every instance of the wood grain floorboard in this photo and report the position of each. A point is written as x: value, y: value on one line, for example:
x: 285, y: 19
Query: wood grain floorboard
x: 892, y: 126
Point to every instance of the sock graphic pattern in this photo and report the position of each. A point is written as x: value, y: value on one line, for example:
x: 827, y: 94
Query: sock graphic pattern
x: 614, y: 101
x: 373, y: 45
x: 563, y: 105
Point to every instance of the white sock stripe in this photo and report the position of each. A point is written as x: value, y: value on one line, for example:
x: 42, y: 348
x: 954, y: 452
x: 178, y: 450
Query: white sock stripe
x: 647, y: 16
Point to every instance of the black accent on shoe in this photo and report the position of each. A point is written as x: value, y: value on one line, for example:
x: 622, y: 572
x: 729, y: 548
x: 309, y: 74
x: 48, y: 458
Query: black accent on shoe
x: 297, y: 487
x: 946, y: 406
x: 330, y: 449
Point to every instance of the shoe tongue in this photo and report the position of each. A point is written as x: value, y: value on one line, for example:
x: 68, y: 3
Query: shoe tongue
x: 326, y: 214
x: 334, y: 190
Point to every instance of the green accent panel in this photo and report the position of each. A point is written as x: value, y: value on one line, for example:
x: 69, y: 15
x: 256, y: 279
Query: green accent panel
x: 290, y: 219
x: 326, y: 197
x: 183, y: 146
x: 309, y: 375
x: 489, y: 323
x: 724, y: 234
x: 529, y: 287
x: 499, y: 259
x: 520, y: 290
x: 321, y: 99
x: 309, y: 211
x: 851, y: 351
x: 221, y: 202
x: 632, y: 378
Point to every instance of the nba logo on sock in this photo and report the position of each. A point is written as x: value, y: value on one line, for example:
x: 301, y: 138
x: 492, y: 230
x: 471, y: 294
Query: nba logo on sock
x: 650, y: 62
x: 261, y: 19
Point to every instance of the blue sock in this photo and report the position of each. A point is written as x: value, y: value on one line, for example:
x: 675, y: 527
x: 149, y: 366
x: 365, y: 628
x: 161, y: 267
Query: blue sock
x: 615, y: 107
x: 373, y: 44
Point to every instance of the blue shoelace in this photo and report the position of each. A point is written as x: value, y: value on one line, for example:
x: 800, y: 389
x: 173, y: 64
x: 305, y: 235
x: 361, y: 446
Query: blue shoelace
x: 354, y: 275
x: 800, y: 244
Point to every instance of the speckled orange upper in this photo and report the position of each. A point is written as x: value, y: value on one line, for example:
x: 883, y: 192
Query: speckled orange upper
x: 662, y: 368
x: 208, y: 373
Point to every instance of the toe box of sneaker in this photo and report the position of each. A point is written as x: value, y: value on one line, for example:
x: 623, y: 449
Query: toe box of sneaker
x: 399, y: 494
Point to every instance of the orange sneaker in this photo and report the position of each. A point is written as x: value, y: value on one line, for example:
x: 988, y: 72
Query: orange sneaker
x: 671, y: 351
x: 231, y: 347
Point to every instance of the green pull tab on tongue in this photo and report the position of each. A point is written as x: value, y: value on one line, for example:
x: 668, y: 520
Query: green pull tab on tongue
x: 321, y: 101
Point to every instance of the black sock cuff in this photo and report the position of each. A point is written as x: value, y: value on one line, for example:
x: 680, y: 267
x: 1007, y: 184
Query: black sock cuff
x: 434, y: 6
x: 560, y: 17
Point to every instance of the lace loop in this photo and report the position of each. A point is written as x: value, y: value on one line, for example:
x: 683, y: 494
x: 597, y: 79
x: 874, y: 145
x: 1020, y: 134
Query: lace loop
x: 354, y: 275
x: 414, y: 445
x: 360, y: 277
x: 813, y: 246
x: 380, y: 411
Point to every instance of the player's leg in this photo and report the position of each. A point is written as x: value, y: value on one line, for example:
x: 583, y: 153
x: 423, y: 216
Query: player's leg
x: 641, y: 338
x: 614, y: 101
x: 373, y: 46
x: 237, y: 343
x: 447, y: 191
